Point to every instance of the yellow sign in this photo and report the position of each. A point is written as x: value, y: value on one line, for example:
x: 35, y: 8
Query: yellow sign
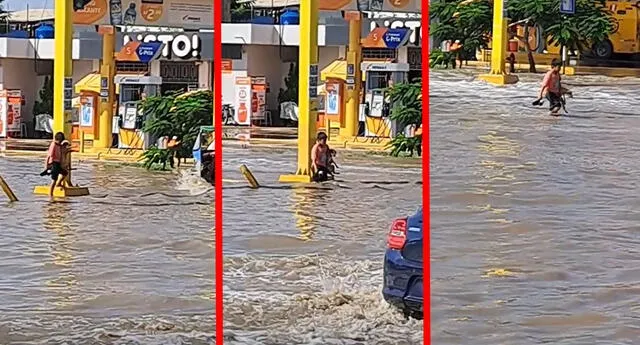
x: 172, y: 13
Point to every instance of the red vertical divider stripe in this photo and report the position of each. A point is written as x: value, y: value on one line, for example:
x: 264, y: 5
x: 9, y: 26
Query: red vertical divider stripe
x: 217, y: 109
x: 426, y: 206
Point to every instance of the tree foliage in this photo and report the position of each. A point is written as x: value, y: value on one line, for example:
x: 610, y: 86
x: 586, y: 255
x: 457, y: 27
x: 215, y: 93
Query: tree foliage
x: 406, y: 99
x: 178, y: 114
x: 290, y: 92
x: 471, y: 22
x: 45, y: 104
x: 440, y: 59
x: 592, y: 22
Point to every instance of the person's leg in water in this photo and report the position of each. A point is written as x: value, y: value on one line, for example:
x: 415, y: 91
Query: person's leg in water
x: 171, y: 159
x: 555, y: 103
x: 56, y: 171
x: 321, y: 175
x: 63, y: 178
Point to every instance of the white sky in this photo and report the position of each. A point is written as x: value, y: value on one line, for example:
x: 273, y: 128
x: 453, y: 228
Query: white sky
x: 17, y: 5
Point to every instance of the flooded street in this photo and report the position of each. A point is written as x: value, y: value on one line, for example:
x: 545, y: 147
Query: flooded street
x: 131, y: 264
x: 304, y: 266
x: 534, y: 219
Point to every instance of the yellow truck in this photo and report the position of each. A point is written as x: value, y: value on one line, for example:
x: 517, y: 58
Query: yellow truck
x: 625, y: 38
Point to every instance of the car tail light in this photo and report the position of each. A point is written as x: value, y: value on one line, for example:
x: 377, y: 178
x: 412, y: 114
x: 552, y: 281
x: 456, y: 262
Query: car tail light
x: 398, y: 234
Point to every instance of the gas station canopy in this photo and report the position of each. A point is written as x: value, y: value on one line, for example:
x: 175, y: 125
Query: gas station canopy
x: 191, y: 14
x: 411, y: 6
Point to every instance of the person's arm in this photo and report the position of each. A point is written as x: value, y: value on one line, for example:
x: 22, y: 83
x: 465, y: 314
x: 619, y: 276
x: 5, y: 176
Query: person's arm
x: 314, y: 155
x: 544, y: 86
x: 50, y: 153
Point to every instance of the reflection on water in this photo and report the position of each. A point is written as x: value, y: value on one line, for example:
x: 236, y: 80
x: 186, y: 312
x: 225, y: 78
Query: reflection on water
x: 56, y: 221
x: 305, y: 265
x: 131, y: 264
x: 533, y: 218
x: 303, y: 203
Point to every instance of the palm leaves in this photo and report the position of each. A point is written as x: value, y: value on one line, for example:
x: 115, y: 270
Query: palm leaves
x: 155, y: 156
x: 407, y: 110
x: 471, y: 21
x: 178, y: 114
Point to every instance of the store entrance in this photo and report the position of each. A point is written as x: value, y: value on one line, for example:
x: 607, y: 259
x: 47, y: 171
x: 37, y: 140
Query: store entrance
x: 414, y: 58
x: 178, y: 76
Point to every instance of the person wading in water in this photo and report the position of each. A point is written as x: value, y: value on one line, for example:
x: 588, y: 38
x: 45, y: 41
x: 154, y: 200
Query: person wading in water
x: 552, y: 89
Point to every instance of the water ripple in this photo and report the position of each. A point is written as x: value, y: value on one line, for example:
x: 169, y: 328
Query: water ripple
x: 550, y: 199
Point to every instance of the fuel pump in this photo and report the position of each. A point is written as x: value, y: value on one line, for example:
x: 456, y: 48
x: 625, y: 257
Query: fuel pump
x: 133, y: 89
x: 376, y: 108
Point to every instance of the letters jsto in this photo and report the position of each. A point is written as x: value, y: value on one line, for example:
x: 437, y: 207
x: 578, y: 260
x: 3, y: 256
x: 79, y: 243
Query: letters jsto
x: 185, y: 47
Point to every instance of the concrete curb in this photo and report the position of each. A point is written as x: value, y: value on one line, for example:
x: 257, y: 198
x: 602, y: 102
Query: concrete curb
x: 290, y: 144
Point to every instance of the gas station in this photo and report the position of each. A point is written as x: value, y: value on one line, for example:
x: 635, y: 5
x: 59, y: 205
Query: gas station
x: 99, y: 125
x: 309, y: 74
x: 361, y: 80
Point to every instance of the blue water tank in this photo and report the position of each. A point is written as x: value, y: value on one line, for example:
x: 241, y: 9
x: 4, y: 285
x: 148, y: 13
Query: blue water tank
x: 290, y: 17
x: 45, y: 31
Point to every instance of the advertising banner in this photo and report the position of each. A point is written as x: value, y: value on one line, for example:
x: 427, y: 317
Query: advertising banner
x: 386, y: 38
x: 3, y: 117
x: 413, y: 6
x: 332, y: 106
x: 398, y: 20
x: 87, y: 111
x: 10, y: 112
x: 177, y: 13
x: 243, y: 101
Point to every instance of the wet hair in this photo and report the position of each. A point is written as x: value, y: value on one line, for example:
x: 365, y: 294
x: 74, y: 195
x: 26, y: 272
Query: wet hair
x: 322, y: 136
x: 59, y: 137
x: 556, y: 63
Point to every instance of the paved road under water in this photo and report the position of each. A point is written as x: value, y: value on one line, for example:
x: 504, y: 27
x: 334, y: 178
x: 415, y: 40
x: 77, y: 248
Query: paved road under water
x: 304, y: 266
x: 127, y: 265
x: 133, y: 263
x: 553, y: 201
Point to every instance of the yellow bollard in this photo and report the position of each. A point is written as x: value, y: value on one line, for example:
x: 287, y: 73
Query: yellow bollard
x: 253, y: 183
x: 67, y: 189
x: 5, y: 187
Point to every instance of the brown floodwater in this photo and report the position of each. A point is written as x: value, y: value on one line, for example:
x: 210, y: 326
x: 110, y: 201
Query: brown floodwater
x: 534, y: 219
x: 303, y: 265
x: 133, y: 262
x: 130, y: 264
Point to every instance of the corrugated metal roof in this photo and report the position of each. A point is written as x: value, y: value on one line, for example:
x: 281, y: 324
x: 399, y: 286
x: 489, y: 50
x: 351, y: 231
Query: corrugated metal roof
x: 32, y: 15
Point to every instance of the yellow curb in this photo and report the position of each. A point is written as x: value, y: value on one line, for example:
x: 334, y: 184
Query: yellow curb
x: 101, y: 155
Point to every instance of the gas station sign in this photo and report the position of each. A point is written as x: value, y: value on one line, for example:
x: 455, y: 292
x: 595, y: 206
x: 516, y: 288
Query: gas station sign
x: 386, y: 38
x: 179, y: 13
x: 414, y: 25
x: 182, y: 46
x: 414, y: 6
